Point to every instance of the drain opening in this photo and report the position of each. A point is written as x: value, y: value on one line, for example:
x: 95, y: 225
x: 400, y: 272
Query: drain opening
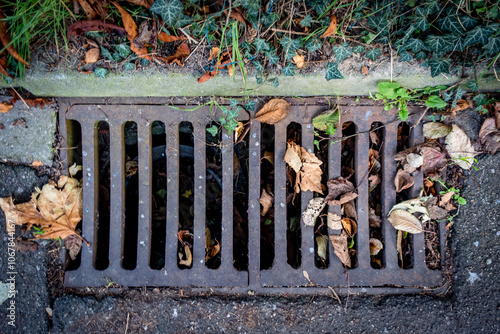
x: 321, y: 241
x: 404, y: 239
x: 186, y: 196
x: 130, y: 230
x: 159, y: 196
x: 267, y: 218
x: 349, y: 215
x: 293, y: 199
x: 377, y: 138
x: 213, y: 209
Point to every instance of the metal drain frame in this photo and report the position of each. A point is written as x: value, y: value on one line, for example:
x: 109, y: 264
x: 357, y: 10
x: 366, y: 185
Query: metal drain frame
x: 281, y: 278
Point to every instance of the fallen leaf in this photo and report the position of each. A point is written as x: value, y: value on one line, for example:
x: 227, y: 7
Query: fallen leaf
x: 179, y: 55
x: 374, y: 161
x: 489, y: 135
x: 299, y: 60
x: 25, y: 246
x: 3, y: 65
x: 5, y: 39
x: 307, y: 167
x: 449, y: 207
x: 435, y: 130
x: 460, y: 148
x: 273, y: 111
x: 334, y: 221
x: 73, y: 245
x: 166, y: 38
x: 341, y: 249
x: 90, y: 12
x: 37, y: 102
x: 56, y: 209
x: 74, y: 169
x: 144, y: 3
x: 434, y: 159
x: 322, y: 242
x: 437, y: 213
x: 132, y: 32
x: 238, y: 16
x: 375, y: 246
x: 326, y: 120
x: 399, y: 245
x: 403, y: 180
x: 461, y: 105
x: 221, y: 63
x: 415, y: 160
x: 81, y: 27
x: 189, y: 257
x: 374, y: 138
x: 5, y: 107
x: 266, y: 201
x: 373, y: 181
x: 446, y: 198
x: 414, y: 205
x: 306, y: 275
x: 214, y: 53
x: 405, y: 221
x: 350, y: 210
x: 269, y: 156
x: 364, y: 70
x: 36, y: 163
x: 374, y: 219
x: 144, y: 34
x: 238, y: 131
x: 350, y: 226
x: 313, y: 210
x: 92, y: 55
x: 342, y: 188
x: 332, y: 28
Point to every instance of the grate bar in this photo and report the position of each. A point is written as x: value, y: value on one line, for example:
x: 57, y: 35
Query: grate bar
x: 144, y: 219
x: 227, y: 201
x: 172, y: 153
x: 254, y: 206
x: 199, y: 198
x: 361, y: 166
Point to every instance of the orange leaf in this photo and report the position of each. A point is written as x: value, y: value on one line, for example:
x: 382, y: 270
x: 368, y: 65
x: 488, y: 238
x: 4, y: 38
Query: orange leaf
x: 128, y: 22
x: 5, y: 107
x: 166, y: 38
x: 179, y: 55
x: 461, y: 105
x: 223, y: 60
x: 92, y: 55
x: 140, y: 51
x: 332, y: 28
x: 37, y: 163
x: 238, y: 16
x: 4, y: 37
x: 299, y: 61
x: 144, y: 3
x: 214, y: 53
x: 364, y: 70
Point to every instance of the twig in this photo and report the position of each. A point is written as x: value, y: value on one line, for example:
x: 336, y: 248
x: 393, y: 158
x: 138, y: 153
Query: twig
x: 191, y: 39
x: 420, y: 119
x: 196, y: 48
x: 27, y: 106
x: 335, y: 294
x: 126, y: 327
x: 291, y: 32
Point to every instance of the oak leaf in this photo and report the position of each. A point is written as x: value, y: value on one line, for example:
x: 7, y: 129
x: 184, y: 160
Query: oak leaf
x: 273, y: 111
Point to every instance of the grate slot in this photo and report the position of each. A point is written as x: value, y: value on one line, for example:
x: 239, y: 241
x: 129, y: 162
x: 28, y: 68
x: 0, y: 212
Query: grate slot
x: 117, y: 193
x: 145, y: 166
x: 172, y: 152
x: 389, y: 148
x: 227, y: 201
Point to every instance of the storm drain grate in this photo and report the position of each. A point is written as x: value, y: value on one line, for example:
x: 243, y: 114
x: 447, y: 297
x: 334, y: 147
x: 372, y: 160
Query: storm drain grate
x: 124, y: 236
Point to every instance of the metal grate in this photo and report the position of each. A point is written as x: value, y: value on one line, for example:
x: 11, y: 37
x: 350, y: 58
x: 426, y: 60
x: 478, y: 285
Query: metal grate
x: 281, y: 277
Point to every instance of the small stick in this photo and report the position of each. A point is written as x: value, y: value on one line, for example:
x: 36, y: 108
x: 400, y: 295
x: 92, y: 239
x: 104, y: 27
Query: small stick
x: 126, y: 327
x: 420, y: 119
x: 335, y: 294
x: 191, y: 39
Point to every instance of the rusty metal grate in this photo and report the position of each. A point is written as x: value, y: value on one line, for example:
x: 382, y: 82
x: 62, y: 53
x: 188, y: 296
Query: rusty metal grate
x: 281, y: 277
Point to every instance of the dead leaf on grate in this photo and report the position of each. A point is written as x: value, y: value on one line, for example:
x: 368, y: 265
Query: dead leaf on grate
x: 403, y: 180
x: 332, y: 28
x: 375, y: 246
x: 92, y: 55
x: 212, y: 247
x: 299, y: 61
x: 350, y: 210
x: 334, y: 221
x: 435, y: 130
x: 266, y: 200
x: 269, y: 156
x: 489, y: 136
x: 342, y: 188
x: 322, y: 242
x: 307, y: 167
x: 73, y: 244
x: 350, y: 226
x: 446, y: 198
x: 414, y: 205
x: 405, y: 221
x: 434, y: 159
x: 273, y: 111
x: 5, y: 107
x: 314, y: 208
x: 415, y: 160
x: 460, y: 148
x: 374, y: 219
x: 341, y: 249
x: 373, y: 181
x: 188, y: 257
x: 399, y: 245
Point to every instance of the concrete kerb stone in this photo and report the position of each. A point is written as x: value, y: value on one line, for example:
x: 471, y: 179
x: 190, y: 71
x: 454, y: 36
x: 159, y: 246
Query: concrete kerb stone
x: 27, y: 134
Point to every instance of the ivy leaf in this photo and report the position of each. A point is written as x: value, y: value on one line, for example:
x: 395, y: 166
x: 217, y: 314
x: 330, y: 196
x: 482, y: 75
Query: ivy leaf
x: 250, y: 105
x: 421, y: 55
x: 313, y: 44
x: 182, y: 21
x: 213, y: 130
x: 258, y: 66
x: 288, y: 70
x: 447, y: 96
x: 261, y: 44
x: 268, y: 20
x: 468, y: 22
x: 472, y: 85
x: 100, y: 72
x: 421, y: 22
x: 416, y: 45
x: 306, y: 21
x: 459, y: 44
x: 438, y: 43
x: 439, y: 66
x: 105, y: 52
x: 332, y: 71
x: 405, y: 56
x: 123, y: 50
x: 275, y: 82
x: 478, y: 35
x: 290, y: 44
x: 451, y: 24
x: 168, y: 9
x: 357, y: 49
x: 373, y: 54
x: 460, y: 93
x: 493, y: 46
x: 128, y: 66
x: 342, y: 52
x: 273, y: 58
x: 380, y: 23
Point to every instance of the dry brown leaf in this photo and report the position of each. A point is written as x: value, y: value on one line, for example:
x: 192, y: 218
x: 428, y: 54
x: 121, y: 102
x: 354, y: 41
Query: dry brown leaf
x: 449, y: 207
x: 373, y: 181
x: 314, y: 208
x: 73, y: 244
x: 415, y: 160
x: 266, y: 200
x: 36, y: 163
x: 332, y: 28
x: 179, y: 55
x: 238, y: 16
x: 322, y: 242
x: 341, y: 249
x: 269, y: 156
x: 399, y: 245
x: 334, y: 221
x: 446, y: 198
x: 489, y: 136
x: 221, y: 63
x: 3, y: 65
x: 273, y: 111
x: 434, y: 159
x: 337, y: 188
x: 435, y: 130
x: 92, y: 55
x: 307, y: 167
x: 461, y: 105
x: 374, y: 219
x: 214, y: 53
x: 144, y: 3
x: 299, y: 60
x: 364, y: 70
x: 5, y: 107
x: 437, y: 213
x: 405, y: 221
x: 350, y: 226
x: 292, y: 156
x: 25, y: 246
x: 189, y: 257
x: 375, y: 246
x: 93, y: 8
x: 5, y: 39
x: 403, y: 180
x: 166, y: 38
x: 144, y: 34
x: 460, y: 148
x: 374, y: 138
x: 350, y: 210
x: 128, y: 22
x: 80, y: 27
